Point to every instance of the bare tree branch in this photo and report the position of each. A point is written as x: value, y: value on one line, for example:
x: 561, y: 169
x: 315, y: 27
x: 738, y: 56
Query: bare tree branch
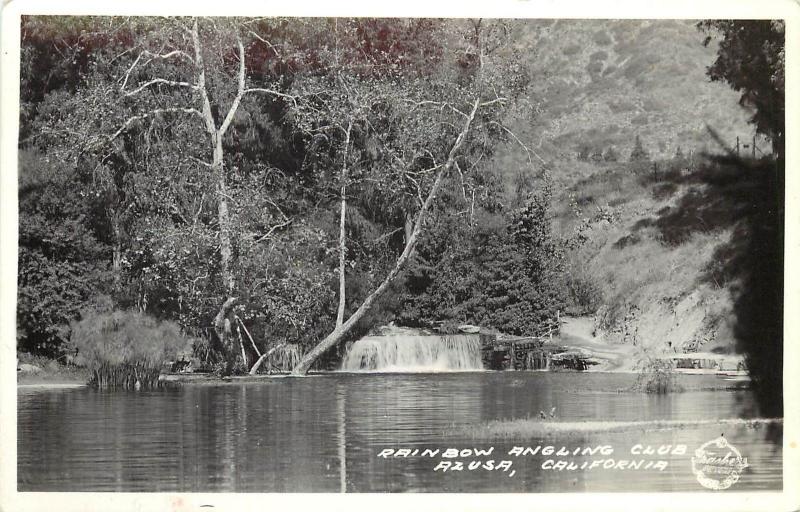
x: 155, y: 81
x: 152, y: 113
x: 239, y: 89
x: 272, y: 92
x: 492, y: 102
x: 342, y: 237
x: 274, y: 228
x: 130, y: 70
x: 526, y: 148
x: 169, y: 55
x: 270, y: 45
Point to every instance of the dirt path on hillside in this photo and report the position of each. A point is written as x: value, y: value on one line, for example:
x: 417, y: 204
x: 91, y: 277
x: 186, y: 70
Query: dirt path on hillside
x: 577, y: 333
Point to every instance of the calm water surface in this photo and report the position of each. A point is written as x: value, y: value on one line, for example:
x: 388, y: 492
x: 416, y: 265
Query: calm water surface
x: 324, y: 434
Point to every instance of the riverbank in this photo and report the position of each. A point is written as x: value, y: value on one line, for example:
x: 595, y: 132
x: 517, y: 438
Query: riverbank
x: 577, y: 333
x: 40, y: 372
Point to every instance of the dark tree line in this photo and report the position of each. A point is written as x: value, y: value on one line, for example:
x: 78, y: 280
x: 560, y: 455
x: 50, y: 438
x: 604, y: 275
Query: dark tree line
x: 751, y: 59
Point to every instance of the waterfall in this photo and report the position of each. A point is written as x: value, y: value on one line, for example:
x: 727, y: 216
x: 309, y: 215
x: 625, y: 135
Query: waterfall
x: 415, y: 353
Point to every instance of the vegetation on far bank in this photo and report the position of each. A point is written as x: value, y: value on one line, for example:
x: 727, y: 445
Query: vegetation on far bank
x: 46, y: 370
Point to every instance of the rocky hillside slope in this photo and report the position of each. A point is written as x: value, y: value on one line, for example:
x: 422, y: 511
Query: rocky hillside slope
x: 599, y: 83
x: 654, y: 253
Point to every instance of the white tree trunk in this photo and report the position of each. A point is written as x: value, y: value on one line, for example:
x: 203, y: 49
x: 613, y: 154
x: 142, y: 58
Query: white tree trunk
x: 342, y: 237
x: 341, y: 330
x: 263, y: 358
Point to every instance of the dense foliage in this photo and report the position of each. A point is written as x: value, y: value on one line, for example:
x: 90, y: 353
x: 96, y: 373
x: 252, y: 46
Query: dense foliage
x: 502, y: 272
x: 63, y: 263
x: 195, y: 172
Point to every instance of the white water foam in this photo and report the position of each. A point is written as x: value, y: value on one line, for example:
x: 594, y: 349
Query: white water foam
x: 406, y: 353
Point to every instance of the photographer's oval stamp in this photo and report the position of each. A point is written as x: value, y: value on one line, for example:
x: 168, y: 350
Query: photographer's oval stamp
x: 718, y: 464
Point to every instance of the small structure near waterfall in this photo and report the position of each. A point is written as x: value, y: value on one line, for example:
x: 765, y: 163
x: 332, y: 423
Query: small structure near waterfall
x: 529, y: 353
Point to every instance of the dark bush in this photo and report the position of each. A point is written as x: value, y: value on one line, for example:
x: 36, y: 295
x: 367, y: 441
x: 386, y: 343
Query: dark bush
x: 610, y: 155
x: 584, y: 295
x: 627, y: 240
x: 639, y: 154
x: 664, y: 191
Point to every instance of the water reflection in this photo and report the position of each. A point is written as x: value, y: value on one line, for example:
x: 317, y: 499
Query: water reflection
x: 323, y: 434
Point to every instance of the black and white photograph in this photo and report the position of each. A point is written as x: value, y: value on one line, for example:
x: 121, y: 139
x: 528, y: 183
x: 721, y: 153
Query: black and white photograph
x: 484, y: 255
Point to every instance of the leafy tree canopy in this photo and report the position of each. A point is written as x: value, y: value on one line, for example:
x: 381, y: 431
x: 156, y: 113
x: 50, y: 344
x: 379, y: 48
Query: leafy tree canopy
x: 751, y: 59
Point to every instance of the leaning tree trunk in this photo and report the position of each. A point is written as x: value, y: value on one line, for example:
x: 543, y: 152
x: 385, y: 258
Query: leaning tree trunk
x: 341, y: 330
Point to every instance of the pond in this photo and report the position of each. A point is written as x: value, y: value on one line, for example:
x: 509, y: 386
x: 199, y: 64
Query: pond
x: 326, y: 433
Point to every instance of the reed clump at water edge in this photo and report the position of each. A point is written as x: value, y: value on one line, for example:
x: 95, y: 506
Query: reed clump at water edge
x: 282, y: 358
x: 125, y: 349
x: 656, y: 374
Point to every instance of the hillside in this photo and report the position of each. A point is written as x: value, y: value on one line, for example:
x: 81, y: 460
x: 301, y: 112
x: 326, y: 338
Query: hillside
x: 656, y: 251
x: 598, y: 83
x: 660, y: 259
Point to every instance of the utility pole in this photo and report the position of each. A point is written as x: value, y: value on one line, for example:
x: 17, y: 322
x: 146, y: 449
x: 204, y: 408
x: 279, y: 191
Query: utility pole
x: 737, y: 145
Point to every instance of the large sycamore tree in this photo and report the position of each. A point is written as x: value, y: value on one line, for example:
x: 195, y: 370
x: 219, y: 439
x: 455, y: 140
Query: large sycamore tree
x: 213, y: 76
x: 417, y: 123
x: 152, y: 121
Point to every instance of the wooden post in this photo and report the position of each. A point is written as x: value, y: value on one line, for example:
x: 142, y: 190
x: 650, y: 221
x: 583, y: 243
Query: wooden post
x: 754, y: 147
x: 737, y: 145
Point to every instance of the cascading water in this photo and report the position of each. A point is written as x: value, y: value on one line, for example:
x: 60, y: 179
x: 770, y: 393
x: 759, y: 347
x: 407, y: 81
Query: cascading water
x: 414, y: 353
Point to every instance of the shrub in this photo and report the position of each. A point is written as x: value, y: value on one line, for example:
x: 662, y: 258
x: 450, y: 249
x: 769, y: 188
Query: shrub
x: 584, y: 295
x: 664, y: 191
x: 627, y: 240
x: 639, y: 154
x: 610, y: 155
x: 283, y: 359
x: 125, y: 349
x: 656, y: 375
